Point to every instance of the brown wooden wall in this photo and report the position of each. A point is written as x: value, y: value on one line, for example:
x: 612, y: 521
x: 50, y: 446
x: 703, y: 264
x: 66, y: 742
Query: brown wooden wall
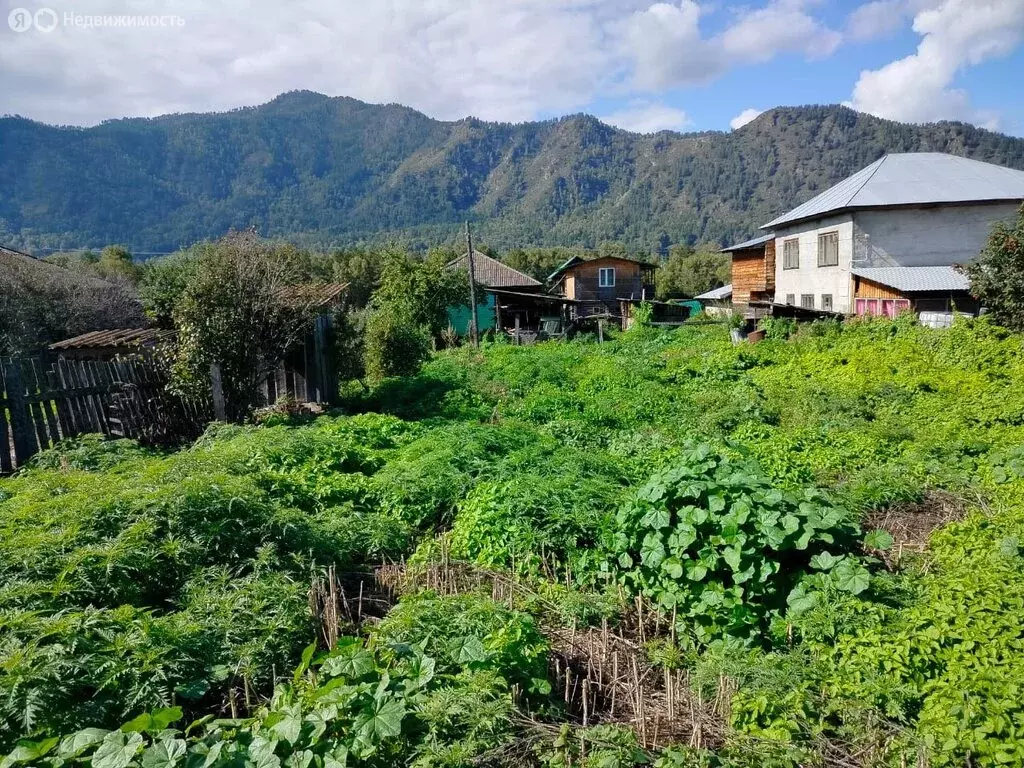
x: 752, y: 273
x: 866, y: 289
x: 582, y: 282
x: 769, y: 266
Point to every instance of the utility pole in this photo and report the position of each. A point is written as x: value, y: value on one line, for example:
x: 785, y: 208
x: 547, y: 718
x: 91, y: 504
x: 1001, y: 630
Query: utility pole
x: 474, y: 328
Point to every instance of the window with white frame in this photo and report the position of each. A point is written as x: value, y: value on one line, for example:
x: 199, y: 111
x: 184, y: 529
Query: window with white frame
x: 606, y: 277
x: 791, y: 254
x: 807, y: 300
x: 791, y: 298
x: 826, y: 302
x: 828, y: 249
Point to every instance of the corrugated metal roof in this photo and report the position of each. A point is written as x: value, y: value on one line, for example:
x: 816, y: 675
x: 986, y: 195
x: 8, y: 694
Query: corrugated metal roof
x: 118, y: 337
x: 748, y: 243
x: 718, y: 294
x: 313, y: 295
x: 916, y: 279
x: 913, y: 178
x: 492, y: 273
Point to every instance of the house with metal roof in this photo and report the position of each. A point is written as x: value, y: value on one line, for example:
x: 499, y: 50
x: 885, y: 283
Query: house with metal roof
x: 887, y: 238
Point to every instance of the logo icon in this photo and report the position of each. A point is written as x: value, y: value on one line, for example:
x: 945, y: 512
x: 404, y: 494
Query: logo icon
x: 20, y: 20
x: 45, y: 19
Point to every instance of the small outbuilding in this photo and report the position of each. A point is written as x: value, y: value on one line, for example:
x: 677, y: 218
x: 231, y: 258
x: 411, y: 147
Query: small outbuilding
x: 496, y: 277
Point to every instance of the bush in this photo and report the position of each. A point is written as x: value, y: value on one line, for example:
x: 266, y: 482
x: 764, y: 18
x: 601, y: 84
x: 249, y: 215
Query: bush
x: 395, y: 345
x: 712, y: 541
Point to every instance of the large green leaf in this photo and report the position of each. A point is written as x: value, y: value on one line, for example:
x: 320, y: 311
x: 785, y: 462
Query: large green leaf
x: 117, y: 750
x: 657, y: 518
x: 878, y: 539
x: 384, y: 721
x: 652, y: 552
x: 672, y: 567
x: 286, y: 723
x: 852, y: 577
x: 468, y: 649
x: 165, y: 753
x: 352, y: 662
x: 262, y: 753
x: 733, y: 556
x: 73, y: 745
x: 29, y: 751
x: 825, y: 561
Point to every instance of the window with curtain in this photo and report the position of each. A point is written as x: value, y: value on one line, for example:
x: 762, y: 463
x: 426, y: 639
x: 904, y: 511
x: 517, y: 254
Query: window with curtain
x: 791, y: 254
x: 828, y: 249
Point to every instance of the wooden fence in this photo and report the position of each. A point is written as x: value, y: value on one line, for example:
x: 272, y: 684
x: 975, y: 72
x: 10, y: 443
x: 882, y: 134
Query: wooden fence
x: 41, y: 404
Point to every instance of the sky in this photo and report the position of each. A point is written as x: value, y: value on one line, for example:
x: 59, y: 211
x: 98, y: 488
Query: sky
x: 684, y: 65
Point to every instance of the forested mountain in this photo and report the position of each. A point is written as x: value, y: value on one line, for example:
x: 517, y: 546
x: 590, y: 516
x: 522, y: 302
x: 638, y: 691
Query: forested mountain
x: 336, y: 170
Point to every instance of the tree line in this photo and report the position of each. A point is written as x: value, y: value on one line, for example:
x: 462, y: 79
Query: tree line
x: 230, y: 300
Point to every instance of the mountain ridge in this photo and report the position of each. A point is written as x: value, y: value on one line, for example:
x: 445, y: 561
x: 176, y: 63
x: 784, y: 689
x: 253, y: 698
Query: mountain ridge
x: 335, y: 170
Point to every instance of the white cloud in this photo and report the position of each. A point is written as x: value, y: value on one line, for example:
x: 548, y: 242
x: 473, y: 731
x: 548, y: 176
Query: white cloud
x: 668, y: 48
x: 745, y: 117
x: 877, y: 19
x: 495, y: 59
x: 955, y: 34
x: 648, y: 117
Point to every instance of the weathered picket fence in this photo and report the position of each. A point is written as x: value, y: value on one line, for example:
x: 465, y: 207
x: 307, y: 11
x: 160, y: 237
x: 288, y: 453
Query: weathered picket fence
x: 42, y: 403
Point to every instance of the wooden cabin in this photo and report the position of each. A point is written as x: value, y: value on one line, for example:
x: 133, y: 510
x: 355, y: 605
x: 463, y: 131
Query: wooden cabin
x: 597, y: 286
x: 753, y: 271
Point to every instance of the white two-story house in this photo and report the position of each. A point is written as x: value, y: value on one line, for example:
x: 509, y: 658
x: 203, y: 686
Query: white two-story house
x: 886, y: 238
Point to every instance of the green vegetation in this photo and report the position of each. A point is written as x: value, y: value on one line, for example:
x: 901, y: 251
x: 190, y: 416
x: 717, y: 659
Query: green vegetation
x: 331, y: 171
x: 42, y: 303
x: 995, y: 274
x: 238, y: 309
x: 409, y: 309
x: 818, y: 536
x: 690, y: 272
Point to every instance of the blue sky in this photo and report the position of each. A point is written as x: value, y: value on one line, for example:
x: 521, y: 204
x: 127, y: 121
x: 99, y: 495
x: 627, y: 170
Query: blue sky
x: 642, y: 65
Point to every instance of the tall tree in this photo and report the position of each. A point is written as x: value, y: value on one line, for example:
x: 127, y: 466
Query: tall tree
x: 997, y: 275
x: 237, y: 312
x: 691, y: 271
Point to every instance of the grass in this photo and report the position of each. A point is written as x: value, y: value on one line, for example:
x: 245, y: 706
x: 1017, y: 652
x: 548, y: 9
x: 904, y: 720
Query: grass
x: 133, y: 580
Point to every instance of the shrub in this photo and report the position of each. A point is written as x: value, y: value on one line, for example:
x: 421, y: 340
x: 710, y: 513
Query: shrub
x: 711, y: 540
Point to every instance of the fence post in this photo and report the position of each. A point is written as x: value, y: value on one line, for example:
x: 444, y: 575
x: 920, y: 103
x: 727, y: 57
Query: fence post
x: 20, y: 427
x: 217, y: 390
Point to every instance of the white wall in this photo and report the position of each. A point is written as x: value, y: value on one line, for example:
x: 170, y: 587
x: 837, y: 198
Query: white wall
x: 921, y: 237
x: 810, y: 278
x: 907, y: 237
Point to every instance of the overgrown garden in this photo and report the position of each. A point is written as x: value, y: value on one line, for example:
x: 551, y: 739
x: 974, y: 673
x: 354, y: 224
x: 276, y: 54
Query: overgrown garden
x: 662, y: 550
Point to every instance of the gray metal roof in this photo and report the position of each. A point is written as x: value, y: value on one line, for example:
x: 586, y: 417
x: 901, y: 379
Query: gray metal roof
x: 914, y: 178
x: 718, y: 294
x: 914, y: 279
x: 748, y: 244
